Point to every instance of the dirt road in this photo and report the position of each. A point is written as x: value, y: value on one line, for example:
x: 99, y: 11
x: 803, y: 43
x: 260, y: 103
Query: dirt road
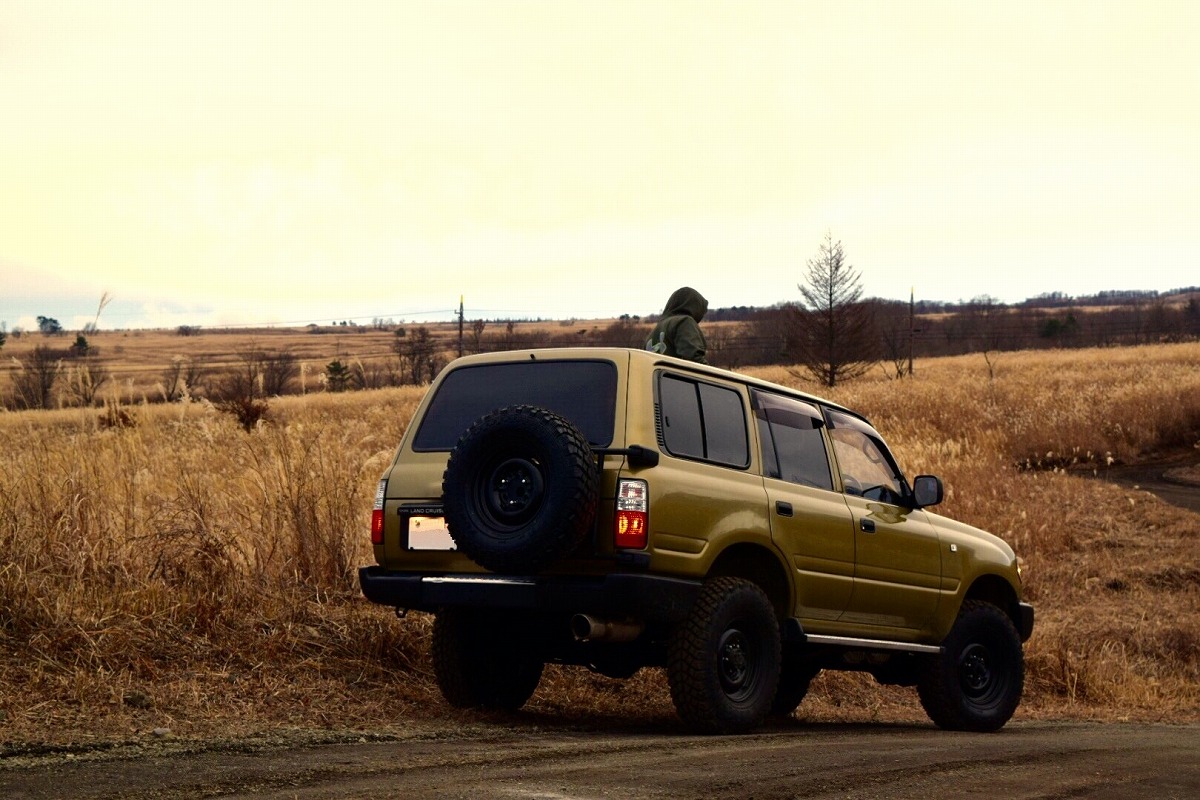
x: 1157, y: 478
x: 793, y: 760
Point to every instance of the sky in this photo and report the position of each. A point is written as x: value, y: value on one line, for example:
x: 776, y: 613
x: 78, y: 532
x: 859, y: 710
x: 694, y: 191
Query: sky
x: 252, y: 163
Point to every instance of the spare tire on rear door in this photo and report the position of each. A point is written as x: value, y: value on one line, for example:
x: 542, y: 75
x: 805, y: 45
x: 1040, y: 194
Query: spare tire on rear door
x: 520, y: 489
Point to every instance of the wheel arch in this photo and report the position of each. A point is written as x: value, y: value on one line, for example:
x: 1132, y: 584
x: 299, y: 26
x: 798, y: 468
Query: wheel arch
x: 999, y: 592
x: 760, y: 566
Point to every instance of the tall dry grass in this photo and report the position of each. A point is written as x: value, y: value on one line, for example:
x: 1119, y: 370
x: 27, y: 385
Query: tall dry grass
x: 177, y: 562
x: 162, y: 567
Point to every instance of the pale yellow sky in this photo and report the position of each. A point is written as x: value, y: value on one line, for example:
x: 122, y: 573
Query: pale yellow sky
x: 250, y: 162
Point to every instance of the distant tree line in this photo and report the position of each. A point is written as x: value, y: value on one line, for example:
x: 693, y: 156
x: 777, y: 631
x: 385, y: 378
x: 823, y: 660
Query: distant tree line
x: 866, y: 334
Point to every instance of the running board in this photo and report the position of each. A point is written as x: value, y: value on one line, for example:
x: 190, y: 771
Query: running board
x: 871, y: 644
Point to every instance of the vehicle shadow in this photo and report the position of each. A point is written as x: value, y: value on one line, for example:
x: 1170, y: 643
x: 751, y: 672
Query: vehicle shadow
x: 609, y: 724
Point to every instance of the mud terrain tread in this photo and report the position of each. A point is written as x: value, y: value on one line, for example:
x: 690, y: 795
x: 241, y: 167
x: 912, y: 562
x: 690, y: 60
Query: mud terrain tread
x: 692, y: 658
x: 939, y: 687
x: 568, y: 504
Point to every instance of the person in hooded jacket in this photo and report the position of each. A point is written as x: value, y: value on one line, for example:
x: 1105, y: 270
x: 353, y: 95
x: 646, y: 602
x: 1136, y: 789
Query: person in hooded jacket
x: 678, y: 331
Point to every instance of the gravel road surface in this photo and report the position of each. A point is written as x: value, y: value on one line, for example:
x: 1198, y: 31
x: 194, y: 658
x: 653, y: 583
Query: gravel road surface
x: 792, y: 760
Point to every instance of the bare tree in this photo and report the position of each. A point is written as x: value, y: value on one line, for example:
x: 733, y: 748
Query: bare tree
x: 35, y: 378
x: 181, y: 378
x: 419, y: 359
x: 833, y: 336
x: 262, y: 373
x: 85, y: 378
x: 625, y: 332
x: 724, y: 345
x: 476, y: 341
x: 984, y: 320
x: 893, y: 323
x: 279, y: 370
x: 244, y: 382
x: 374, y: 373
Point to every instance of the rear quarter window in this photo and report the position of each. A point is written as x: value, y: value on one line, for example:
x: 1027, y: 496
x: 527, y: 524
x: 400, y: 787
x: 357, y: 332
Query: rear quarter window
x: 703, y: 421
x: 585, y: 392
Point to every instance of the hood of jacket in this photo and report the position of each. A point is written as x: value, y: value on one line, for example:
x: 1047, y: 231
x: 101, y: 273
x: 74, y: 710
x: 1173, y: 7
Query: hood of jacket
x: 686, y: 300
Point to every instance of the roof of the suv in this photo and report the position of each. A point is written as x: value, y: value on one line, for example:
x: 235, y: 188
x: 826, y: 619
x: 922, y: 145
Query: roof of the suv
x: 572, y: 353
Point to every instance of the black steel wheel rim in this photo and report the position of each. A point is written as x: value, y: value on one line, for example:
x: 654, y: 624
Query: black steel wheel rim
x: 978, y: 675
x: 512, y: 491
x: 736, y: 664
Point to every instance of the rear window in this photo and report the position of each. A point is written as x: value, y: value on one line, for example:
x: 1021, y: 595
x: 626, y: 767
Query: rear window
x: 585, y: 392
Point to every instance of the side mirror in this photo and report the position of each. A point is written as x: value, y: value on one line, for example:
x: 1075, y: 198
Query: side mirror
x: 927, y: 490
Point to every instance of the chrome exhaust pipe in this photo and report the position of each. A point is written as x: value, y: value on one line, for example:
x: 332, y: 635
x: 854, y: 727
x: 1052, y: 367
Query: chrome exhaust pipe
x: 589, y: 629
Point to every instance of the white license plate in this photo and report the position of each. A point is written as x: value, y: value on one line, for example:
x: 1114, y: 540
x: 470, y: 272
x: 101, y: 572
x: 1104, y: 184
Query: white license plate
x: 429, y: 533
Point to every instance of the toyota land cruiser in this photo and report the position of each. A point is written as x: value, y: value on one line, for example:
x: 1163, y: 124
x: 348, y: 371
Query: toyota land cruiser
x: 616, y: 509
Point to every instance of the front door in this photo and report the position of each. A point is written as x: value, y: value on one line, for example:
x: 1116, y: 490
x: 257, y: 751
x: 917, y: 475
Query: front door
x: 898, y: 562
x: 898, y: 570
x: 810, y: 522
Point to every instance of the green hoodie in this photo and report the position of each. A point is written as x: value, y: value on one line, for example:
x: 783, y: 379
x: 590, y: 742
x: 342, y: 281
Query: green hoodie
x: 678, y: 332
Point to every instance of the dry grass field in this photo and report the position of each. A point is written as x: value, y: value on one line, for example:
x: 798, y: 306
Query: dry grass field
x: 174, y: 571
x: 136, y: 359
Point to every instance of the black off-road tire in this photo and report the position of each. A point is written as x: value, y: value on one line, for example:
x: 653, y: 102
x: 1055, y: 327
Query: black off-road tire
x: 520, y: 490
x: 480, y: 661
x: 975, y: 684
x: 723, y: 661
x: 795, y: 676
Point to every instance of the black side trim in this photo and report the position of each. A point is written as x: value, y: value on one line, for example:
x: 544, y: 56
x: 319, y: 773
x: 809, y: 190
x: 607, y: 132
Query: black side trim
x: 1025, y: 623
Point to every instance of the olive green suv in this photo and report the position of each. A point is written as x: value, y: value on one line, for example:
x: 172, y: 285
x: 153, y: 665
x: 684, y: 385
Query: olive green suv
x: 617, y: 509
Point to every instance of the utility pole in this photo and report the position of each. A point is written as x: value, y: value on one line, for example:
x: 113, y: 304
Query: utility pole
x: 911, y: 329
x: 460, y: 328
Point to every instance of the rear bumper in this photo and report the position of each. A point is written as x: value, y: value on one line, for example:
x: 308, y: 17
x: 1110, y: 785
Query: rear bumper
x: 652, y: 598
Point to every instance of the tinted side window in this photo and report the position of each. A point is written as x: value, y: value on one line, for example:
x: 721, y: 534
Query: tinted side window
x: 793, y: 446
x: 724, y: 425
x: 704, y: 421
x: 683, y: 433
x: 584, y: 392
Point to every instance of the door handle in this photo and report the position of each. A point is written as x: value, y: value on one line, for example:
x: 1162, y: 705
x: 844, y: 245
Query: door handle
x: 868, y: 525
x: 783, y: 509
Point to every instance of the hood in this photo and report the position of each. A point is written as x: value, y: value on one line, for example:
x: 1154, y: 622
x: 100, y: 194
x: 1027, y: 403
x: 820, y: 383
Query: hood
x: 686, y: 300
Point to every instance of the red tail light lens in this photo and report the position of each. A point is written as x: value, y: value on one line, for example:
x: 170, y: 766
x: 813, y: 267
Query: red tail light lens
x: 377, y: 514
x: 633, y: 514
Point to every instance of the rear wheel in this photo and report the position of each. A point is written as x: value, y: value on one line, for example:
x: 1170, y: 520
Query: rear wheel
x: 975, y: 683
x: 723, y: 660
x: 481, y: 660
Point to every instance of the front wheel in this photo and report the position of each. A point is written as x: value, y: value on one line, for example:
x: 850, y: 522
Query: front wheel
x: 975, y: 683
x: 723, y: 661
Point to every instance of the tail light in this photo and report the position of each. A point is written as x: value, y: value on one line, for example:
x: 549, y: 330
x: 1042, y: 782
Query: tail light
x: 633, y: 513
x: 377, y: 513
